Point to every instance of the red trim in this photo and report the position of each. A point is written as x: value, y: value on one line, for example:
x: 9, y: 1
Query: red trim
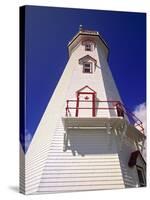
x: 90, y: 93
x: 67, y: 107
x: 91, y: 101
x: 93, y: 93
x: 105, y: 108
x: 93, y: 105
x: 78, y: 91
x: 77, y: 105
x: 86, y: 93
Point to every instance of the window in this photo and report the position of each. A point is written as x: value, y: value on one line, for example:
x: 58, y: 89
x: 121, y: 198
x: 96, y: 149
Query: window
x: 88, y: 47
x: 141, y: 176
x: 87, y: 68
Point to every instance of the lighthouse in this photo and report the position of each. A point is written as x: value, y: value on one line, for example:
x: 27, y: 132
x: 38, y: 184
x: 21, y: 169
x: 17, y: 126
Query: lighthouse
x: 87, y: 139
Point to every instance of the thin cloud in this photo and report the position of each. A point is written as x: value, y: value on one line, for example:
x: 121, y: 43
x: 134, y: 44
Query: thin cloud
x: 140, y: 112
x: 28, y: 138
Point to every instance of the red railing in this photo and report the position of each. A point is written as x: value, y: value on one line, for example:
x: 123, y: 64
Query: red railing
x: 120, y: 109
x: 133, y: 119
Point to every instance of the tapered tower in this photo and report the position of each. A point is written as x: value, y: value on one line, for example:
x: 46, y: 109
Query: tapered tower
x: 86, y: 139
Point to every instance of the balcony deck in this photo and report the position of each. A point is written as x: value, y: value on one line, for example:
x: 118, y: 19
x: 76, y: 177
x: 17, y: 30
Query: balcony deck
x: 101, y: 123
x: 93, y: 122
x: 116, y: 119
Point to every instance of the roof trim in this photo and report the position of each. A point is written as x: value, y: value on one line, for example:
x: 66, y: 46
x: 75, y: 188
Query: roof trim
x: 84, y: 88
x: 87, y: 56
x: 78, y: 34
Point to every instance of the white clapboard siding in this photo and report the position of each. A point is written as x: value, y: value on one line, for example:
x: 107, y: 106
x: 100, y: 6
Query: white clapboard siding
x: 78, y: 175
x: 82, y: 179
x: 79, y: 182
x: 22, y: 171
x: 64, y: 172
x: 73, y: 188
x: 128, y: 173
x: 82, y: 164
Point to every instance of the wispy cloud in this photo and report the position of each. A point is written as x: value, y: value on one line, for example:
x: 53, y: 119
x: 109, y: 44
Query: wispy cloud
x: 140, y: 112
x: 28, y: 138
x: 25, y: 139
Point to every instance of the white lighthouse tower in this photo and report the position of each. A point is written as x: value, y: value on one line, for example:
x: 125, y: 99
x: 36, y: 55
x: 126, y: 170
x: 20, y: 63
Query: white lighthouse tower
x: 86, y: 139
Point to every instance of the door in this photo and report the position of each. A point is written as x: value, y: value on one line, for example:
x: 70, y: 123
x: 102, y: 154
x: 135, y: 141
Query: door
x: 85, y: 106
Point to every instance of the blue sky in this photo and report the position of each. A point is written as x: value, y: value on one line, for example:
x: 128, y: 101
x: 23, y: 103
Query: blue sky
x: 48, y: 31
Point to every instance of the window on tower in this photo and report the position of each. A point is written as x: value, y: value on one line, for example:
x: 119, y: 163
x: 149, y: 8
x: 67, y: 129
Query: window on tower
x: 88, y: 47
x: 87, y: 67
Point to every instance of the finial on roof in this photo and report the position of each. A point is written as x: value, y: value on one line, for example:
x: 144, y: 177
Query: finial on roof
x: 80, y: 27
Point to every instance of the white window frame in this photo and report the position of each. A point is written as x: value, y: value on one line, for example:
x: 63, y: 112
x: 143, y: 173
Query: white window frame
x: 88, y: 65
